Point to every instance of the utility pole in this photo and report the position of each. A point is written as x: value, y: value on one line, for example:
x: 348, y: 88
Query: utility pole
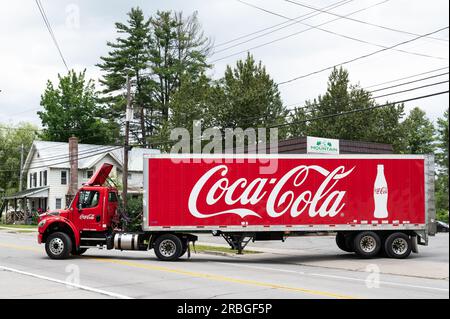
x: 21, y: 168
x: 128, y: 116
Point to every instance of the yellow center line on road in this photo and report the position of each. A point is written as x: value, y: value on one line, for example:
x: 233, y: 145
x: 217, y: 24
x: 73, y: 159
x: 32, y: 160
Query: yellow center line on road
x: 222, y: 278
x: 29, y: 248
x: 198, y: 274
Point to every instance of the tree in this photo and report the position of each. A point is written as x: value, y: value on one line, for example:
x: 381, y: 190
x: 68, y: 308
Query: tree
x: 442, y: 129
x: 192, y: 102
x: 320, y: 117
x: 129, y: 57
x: 178, y: 49
x: 71, y: 109
x: 418, y: 133
x: 247, y: 97
x: 12, y: 137
x: 441, y: 186
x: 156, y: 53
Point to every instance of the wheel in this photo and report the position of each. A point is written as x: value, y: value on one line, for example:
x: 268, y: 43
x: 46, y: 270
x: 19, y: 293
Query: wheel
x: 79, y: 251
x: 343, y: 242
x: 168, y: 247
x: 58, y: 245
x: 398, y: 245
x: 367, y: 244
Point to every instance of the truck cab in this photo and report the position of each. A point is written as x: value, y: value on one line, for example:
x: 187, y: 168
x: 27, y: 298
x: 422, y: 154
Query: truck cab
x: 87, y: 222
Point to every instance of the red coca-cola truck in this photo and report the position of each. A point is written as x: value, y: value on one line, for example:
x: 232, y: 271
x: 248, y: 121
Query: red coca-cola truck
x: 375, y: 204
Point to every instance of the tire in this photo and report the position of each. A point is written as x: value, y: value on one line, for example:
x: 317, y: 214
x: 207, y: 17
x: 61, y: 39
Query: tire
x: 367, y: 244
x: 343, y: 242
x: 58, y: 245
x: 398, y: 245
x: 79, y: 251
x: 168, y: 247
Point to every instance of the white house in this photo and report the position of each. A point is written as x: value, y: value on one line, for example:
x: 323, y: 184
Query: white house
x: 47, y: 168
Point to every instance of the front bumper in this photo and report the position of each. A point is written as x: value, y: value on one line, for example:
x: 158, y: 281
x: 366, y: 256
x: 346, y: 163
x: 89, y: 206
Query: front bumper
x: 40, y: 238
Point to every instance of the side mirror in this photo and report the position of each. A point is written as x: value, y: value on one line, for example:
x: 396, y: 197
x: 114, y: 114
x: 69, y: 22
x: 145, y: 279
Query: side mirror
x: 80, y: 207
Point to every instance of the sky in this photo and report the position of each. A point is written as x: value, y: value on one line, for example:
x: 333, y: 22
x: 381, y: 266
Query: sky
x: 28, y: 57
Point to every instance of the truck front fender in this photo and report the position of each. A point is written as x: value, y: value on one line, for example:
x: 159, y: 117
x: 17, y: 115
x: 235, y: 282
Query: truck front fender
x: 59, y: 223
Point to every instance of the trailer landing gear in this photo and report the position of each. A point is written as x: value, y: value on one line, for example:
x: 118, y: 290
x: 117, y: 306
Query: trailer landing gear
x: 237, y: 241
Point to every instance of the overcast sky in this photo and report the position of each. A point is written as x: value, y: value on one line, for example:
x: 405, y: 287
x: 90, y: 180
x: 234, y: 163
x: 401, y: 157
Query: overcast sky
x: 29, y: 58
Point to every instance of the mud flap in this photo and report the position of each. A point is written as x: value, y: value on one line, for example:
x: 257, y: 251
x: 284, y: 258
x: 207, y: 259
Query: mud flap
x: 414, y: 245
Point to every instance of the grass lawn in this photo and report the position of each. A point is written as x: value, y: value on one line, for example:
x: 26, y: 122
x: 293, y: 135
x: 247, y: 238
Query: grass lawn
x: 205, y: 248
x: 32, y: 227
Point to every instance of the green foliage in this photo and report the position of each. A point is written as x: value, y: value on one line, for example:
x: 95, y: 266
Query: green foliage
x: 442, y: 138
x: 11, y: 139
x: 134, y: 211
x: 441, y: 189
x: 418, y: 133
x: 442, y: 215
x: 70, y: 109
x: 156, y: 53
x: 247, y: 97
x: 316, y: 117
x: 128, y: 57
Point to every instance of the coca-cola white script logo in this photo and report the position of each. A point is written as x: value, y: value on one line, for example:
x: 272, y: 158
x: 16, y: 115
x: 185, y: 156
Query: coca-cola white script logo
x: 87, y: 217
x: 252, y: 192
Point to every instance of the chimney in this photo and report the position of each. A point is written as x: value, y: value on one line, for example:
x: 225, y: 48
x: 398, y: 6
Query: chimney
x: 73, y: 158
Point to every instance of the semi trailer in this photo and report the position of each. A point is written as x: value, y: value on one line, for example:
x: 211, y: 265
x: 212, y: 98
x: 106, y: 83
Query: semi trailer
x: 375, y: 205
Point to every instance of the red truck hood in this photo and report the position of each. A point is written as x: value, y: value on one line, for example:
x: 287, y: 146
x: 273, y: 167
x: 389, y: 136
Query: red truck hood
x: 100, y: 176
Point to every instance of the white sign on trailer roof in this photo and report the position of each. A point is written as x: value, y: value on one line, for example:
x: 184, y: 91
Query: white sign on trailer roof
x: 320, y: 145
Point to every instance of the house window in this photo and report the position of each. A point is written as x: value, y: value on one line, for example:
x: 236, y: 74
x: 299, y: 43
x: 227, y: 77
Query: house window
x: 58, y: 204
x: 45, y: 178
x: 31, y: 180
x: 130, y: 176
x: 89, y: 173
x: 63, y: 177
x: 34, y: 179
x: 40, y: 178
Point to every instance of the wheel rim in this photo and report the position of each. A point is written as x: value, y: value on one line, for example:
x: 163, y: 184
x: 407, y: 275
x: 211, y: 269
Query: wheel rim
x: 399, y: 246
x: 167, y: 248
x: 56, y: 246
x: 368, y: 244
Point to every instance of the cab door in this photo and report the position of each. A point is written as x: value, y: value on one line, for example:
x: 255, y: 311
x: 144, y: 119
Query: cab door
x: 89, y: 209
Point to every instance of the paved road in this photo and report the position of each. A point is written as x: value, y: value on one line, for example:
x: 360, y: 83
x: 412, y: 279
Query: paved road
x: 299, y: 268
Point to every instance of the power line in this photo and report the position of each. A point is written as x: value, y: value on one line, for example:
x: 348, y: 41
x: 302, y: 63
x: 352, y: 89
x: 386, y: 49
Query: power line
x: 339, y: 34
x: 336, y: 4
x: 392, y: 86
x: 62, y: 156
x: 296, y: 33
x: 304, y: 17
x: 407, y: 77
x: 363, y: 22
x: 412, y: 89
x: 62, y: 162
x: 360, y: 110
x: 50, y: 30
x: 409, y: 82
x: 155, y: 142
x: 361, y: 57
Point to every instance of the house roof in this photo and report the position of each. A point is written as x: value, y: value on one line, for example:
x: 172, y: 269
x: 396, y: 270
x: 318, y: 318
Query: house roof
x: 32, y: 192
x: 56, y: 155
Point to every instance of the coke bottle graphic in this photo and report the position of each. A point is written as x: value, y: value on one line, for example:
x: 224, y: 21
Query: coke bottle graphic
x: 380, y: 194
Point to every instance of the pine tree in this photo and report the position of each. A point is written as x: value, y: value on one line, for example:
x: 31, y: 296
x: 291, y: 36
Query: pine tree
x: 129, y: 57
x: 249, y: 97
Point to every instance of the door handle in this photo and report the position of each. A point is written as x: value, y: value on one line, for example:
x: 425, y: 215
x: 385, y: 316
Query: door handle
x: 97, y: 218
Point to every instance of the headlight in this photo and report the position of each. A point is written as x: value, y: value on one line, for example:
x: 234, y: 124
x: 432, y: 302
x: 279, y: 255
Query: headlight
x: 42, y: 223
